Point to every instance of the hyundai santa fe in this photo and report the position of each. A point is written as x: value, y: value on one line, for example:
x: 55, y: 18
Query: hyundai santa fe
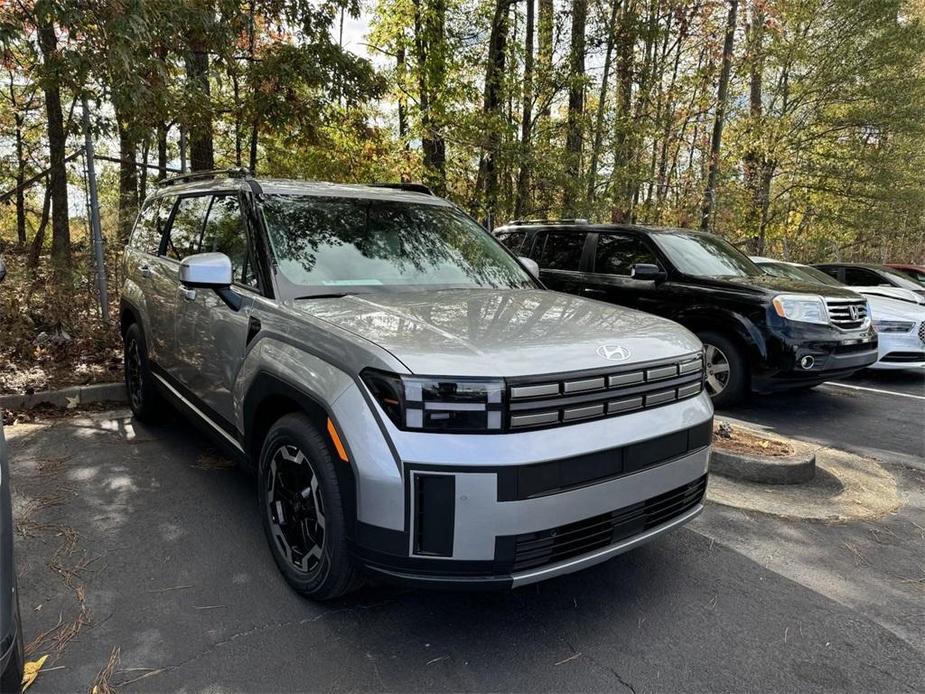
x: 416, y: 406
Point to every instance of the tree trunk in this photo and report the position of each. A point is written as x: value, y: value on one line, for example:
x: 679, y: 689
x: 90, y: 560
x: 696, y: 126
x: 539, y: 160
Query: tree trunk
x: 576, y: 106
x: 161, y: 151
x: 202, y: 156
x: 522, y: 196
x: 400, y: 68
x: 623, y: 150
x: 544, y: 45
x: 143, y: 169
x: 601, y: 105
x: 716, y: 141
x: 754, y: 161
x: 39, y: 239
x: 492, y: 106
x: 128, y: 182
x: 57, y: 141
x: 430, y: 49
x: 20, y: 192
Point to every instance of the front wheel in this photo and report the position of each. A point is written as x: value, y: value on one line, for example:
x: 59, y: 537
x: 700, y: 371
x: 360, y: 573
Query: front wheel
x: 726, y: 369
x: 302, y: 510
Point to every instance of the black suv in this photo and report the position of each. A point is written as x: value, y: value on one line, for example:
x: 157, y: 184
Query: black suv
x: 761, y: 333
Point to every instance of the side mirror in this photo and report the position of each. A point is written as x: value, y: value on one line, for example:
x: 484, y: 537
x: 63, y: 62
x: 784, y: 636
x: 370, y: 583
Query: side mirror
x: 531, y: 266
x: 646, y: 272
x: 2, y: 269
x: 206, y: 270
x: 209, y: 271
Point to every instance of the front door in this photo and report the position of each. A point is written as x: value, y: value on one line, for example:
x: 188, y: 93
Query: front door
x: 559, y: 254
x: 211, y: 336
x: 611, y: 278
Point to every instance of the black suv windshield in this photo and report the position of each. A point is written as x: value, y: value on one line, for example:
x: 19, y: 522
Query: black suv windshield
x: 352, y: 245
x: 703, y: 255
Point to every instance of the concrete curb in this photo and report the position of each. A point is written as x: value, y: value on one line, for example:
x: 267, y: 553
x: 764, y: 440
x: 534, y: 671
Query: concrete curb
x: 795, y: 469
x: 67, y: 398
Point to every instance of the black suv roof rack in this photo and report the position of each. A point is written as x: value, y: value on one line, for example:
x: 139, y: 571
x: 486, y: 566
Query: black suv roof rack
x: 410, y: 187
x: 234, y: 172
x: 549, y: 221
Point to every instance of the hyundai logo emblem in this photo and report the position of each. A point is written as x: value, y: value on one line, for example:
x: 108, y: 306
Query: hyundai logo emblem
x: 613, y: 352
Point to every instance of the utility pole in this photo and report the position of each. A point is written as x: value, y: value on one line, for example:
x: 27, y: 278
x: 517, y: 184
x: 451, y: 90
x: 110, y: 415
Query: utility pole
x: 95, y: 229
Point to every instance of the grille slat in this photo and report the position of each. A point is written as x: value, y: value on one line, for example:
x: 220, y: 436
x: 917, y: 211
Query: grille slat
x: 563, y: 399
x: 847, y: 313
x: 575, y: 539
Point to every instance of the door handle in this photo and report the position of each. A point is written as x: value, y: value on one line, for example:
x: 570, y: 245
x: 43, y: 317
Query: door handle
x: 592, y: 290
x: 145, y: 271
x: 188, y: 294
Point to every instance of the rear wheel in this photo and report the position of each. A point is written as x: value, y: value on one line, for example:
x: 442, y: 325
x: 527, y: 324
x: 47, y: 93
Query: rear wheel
x: 302, y: 510
x: 726, y: 369
x: 145, y: 401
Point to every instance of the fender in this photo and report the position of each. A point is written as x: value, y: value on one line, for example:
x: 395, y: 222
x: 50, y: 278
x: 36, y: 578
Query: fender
x: 264, y: 386
x: 133, y: 304
x: 699, y: 317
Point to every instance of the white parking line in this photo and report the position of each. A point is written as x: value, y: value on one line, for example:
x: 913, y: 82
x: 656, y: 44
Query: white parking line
x: 875, y: 390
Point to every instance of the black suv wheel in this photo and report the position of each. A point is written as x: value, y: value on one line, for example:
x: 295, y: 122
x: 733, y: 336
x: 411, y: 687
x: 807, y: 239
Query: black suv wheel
x: 302, y: 510
x: 726, y: 369
x: 143, y: 398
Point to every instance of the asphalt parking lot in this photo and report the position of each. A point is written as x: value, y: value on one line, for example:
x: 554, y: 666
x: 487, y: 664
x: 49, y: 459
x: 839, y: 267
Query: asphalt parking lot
x: 142, y: 551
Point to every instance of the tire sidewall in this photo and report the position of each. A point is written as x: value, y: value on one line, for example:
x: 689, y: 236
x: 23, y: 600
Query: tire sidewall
x: 737, y: 385
x: 328, y: 581
x: 145, y: 410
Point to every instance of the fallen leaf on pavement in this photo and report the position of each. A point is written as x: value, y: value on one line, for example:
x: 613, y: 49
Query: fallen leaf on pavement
x: 31, y: 670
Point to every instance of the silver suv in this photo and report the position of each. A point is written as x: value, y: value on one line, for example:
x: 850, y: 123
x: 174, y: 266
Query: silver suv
x: 416, y: 406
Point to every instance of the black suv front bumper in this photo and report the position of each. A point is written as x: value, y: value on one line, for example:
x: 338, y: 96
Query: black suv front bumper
x: 805, y: 355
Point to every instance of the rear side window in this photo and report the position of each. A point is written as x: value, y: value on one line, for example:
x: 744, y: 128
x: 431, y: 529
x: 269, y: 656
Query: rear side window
x: 859, y: 277
x: 185, y: 233
x: 146, y: 236
x: 513, y: 239
x: 561, y: 250
x: 225, y: 233
x: 617, y: 254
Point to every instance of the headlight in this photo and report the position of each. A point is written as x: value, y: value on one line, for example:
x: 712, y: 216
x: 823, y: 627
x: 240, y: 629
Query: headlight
x: 801, y: 308
x: 437, y: 403
x: 893, y: 326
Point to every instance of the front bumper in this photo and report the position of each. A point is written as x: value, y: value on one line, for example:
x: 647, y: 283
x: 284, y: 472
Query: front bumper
x: 901, y: 350
x: 803, y: 355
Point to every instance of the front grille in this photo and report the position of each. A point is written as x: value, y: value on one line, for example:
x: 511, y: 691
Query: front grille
x: 922, y: 331
x: 904, y: 357
x: 567, y: 541
x: 847, y: 313
x: 567, y: 398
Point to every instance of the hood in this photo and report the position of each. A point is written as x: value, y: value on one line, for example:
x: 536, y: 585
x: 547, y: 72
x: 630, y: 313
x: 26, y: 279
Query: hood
x: 769, y: 285
x: 898, y: 293
x: 488, y: 332
x: 892, y: 309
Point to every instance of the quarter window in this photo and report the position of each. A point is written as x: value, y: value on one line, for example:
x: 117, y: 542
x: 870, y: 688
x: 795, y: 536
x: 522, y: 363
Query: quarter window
x: 185, y: 233
x: 562, y: 250
x: 225, y: 233
x: 617, y: 254
x: 513, y: 239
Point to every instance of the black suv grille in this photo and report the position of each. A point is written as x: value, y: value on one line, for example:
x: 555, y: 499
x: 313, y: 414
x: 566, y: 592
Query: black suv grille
x: 568, y: 398
x: 847, y: 313
x: 558, y: 544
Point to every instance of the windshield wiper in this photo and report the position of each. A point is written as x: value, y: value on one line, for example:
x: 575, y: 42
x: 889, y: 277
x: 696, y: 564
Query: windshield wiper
x: 330, y: 295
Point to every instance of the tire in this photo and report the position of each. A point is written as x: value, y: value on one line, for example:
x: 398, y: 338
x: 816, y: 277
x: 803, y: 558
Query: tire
x: 146, y: 403
x: 724, y: 357
x: 311, y: 552
x: 11, y: 678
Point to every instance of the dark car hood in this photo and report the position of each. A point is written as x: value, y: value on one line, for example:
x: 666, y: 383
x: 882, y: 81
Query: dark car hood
x: 497, y: 332
x: 770, y: 286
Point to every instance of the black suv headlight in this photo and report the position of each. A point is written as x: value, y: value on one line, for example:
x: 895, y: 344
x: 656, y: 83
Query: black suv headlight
x: 439, y: 403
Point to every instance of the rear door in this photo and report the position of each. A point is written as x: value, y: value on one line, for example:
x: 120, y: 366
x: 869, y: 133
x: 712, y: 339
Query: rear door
x: 211, y: 336
x: 612, y: 260
x: 560, y: 255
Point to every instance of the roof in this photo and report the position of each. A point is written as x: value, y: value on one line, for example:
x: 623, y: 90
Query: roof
x: 585, y: 226
x: 239, y: 179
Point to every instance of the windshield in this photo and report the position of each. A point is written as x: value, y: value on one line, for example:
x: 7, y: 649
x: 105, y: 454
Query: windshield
x: 901, y: 280
x: 354, y: 245
x: 705, y: 255
x: 818, y: 275
x: 799, y: 272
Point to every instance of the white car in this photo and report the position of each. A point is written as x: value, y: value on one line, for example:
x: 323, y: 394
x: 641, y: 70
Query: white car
x: 900, y: 325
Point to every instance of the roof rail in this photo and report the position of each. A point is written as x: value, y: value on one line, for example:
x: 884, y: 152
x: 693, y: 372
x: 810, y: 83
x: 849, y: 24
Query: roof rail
x: 234, y: 172
x: 548, y: 221
x: 410, y: 187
